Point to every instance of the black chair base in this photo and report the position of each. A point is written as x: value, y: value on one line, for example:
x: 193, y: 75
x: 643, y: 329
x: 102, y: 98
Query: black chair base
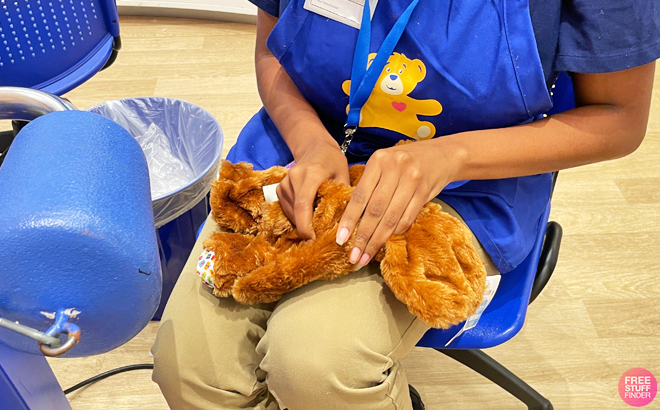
x: 416, y: 399
x: 6, y: 138
x: 488, y: 367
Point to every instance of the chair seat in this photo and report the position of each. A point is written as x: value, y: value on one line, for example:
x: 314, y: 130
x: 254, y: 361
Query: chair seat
x: 505, y: 315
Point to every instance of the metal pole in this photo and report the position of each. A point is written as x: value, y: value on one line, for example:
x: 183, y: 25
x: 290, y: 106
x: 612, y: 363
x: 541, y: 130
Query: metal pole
x: 26, y: 104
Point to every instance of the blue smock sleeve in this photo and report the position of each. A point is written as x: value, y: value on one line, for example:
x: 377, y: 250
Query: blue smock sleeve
x: 271, y: 7
x: 599, y: 36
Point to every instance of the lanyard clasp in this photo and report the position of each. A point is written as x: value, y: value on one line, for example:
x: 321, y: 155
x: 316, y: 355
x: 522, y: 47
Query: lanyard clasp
x: 348, y: 137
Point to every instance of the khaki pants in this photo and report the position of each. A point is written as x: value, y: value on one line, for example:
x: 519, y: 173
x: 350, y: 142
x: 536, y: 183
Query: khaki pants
x: 326, y: 346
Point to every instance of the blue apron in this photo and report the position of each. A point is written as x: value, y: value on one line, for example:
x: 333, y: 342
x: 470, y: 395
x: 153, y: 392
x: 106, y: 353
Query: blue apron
x: 459, y: 66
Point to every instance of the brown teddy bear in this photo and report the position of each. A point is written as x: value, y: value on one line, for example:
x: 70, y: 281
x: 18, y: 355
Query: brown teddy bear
x: 433, y: 267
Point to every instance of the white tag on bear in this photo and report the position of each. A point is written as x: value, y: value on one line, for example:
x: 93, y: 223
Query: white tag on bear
x: 348, y: 12
x: 270, y: 193
x: 492, y: 283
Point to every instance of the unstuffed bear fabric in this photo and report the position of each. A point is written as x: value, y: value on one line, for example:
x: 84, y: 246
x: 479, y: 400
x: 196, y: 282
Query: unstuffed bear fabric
x: 433, y: 267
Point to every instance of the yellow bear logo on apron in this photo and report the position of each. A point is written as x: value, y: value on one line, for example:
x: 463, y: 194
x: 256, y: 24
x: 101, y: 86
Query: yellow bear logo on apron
x: 389, y: 106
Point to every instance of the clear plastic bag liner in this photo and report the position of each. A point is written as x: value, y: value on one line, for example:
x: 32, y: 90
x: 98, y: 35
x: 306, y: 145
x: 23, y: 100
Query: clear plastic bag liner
x: 182, y: 143
x: 167, y: 173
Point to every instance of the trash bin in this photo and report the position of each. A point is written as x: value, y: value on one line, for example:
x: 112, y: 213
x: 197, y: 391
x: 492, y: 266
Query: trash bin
x: 183, y: 145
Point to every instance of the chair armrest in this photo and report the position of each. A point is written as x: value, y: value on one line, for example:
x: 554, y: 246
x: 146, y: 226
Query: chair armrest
x: 548, y: 259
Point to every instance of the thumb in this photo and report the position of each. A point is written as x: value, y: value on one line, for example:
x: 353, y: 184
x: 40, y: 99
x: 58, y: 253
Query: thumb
x: 304, y: 209
x: 304, y: 224
x: 344, y: 177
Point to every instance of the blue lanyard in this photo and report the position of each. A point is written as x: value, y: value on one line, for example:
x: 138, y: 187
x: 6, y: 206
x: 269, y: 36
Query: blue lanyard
x: 364, y: 80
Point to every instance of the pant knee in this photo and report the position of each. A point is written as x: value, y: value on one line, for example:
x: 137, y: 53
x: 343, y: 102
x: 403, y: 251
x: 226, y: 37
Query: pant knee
x: 300, y: 375
x: 190, y: 380
x: 178, y: 383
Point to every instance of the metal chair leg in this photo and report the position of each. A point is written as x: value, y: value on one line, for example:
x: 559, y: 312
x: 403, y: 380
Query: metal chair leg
x: 488, y: 367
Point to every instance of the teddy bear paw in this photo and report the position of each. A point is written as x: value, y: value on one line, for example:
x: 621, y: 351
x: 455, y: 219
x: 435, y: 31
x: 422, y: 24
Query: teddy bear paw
x: 249, y: 292
x: 223, y: 284
x: 256, y: 287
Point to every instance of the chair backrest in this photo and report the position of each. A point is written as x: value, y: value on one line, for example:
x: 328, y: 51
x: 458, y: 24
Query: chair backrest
x: 505, y: 315
x: 55, y: 45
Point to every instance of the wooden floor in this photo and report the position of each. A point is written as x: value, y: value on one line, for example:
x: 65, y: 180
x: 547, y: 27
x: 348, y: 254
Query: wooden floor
x: 598, y: 317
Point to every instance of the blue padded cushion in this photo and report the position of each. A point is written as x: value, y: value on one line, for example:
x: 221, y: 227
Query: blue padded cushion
x: 77, y: 231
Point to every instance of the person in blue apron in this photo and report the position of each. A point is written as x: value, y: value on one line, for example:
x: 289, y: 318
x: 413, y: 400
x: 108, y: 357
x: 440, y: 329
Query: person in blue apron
x: 468, y: 83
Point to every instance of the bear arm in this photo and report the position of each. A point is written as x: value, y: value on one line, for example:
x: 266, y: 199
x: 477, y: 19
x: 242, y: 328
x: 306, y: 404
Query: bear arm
x: 293, y: 268
x: 425, y: 107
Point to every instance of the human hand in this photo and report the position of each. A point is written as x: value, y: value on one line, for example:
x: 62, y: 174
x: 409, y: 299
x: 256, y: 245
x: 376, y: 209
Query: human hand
x: 396, y: 184
x: 297, y: 191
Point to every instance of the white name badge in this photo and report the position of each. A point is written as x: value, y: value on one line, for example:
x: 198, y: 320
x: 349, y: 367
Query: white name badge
x: 348, y: 12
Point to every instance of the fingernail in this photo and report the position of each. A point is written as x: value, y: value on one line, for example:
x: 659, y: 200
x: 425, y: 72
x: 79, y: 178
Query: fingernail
x: 342, y: 236
x: 364, y: 259
x: 355, y: 254
x: 357, y: 267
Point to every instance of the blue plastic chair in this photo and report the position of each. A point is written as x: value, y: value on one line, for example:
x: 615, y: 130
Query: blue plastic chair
x: 505, y: 315
x: 56, y: 45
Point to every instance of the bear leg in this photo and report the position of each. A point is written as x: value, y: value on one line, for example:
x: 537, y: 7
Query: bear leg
x: 423, y: 272
x: 236, y: 256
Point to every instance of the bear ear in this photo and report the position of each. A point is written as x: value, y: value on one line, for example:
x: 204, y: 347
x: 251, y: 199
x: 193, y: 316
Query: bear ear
x: 371, y: 59
x: 420, y: 69
x: 235, y: 172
